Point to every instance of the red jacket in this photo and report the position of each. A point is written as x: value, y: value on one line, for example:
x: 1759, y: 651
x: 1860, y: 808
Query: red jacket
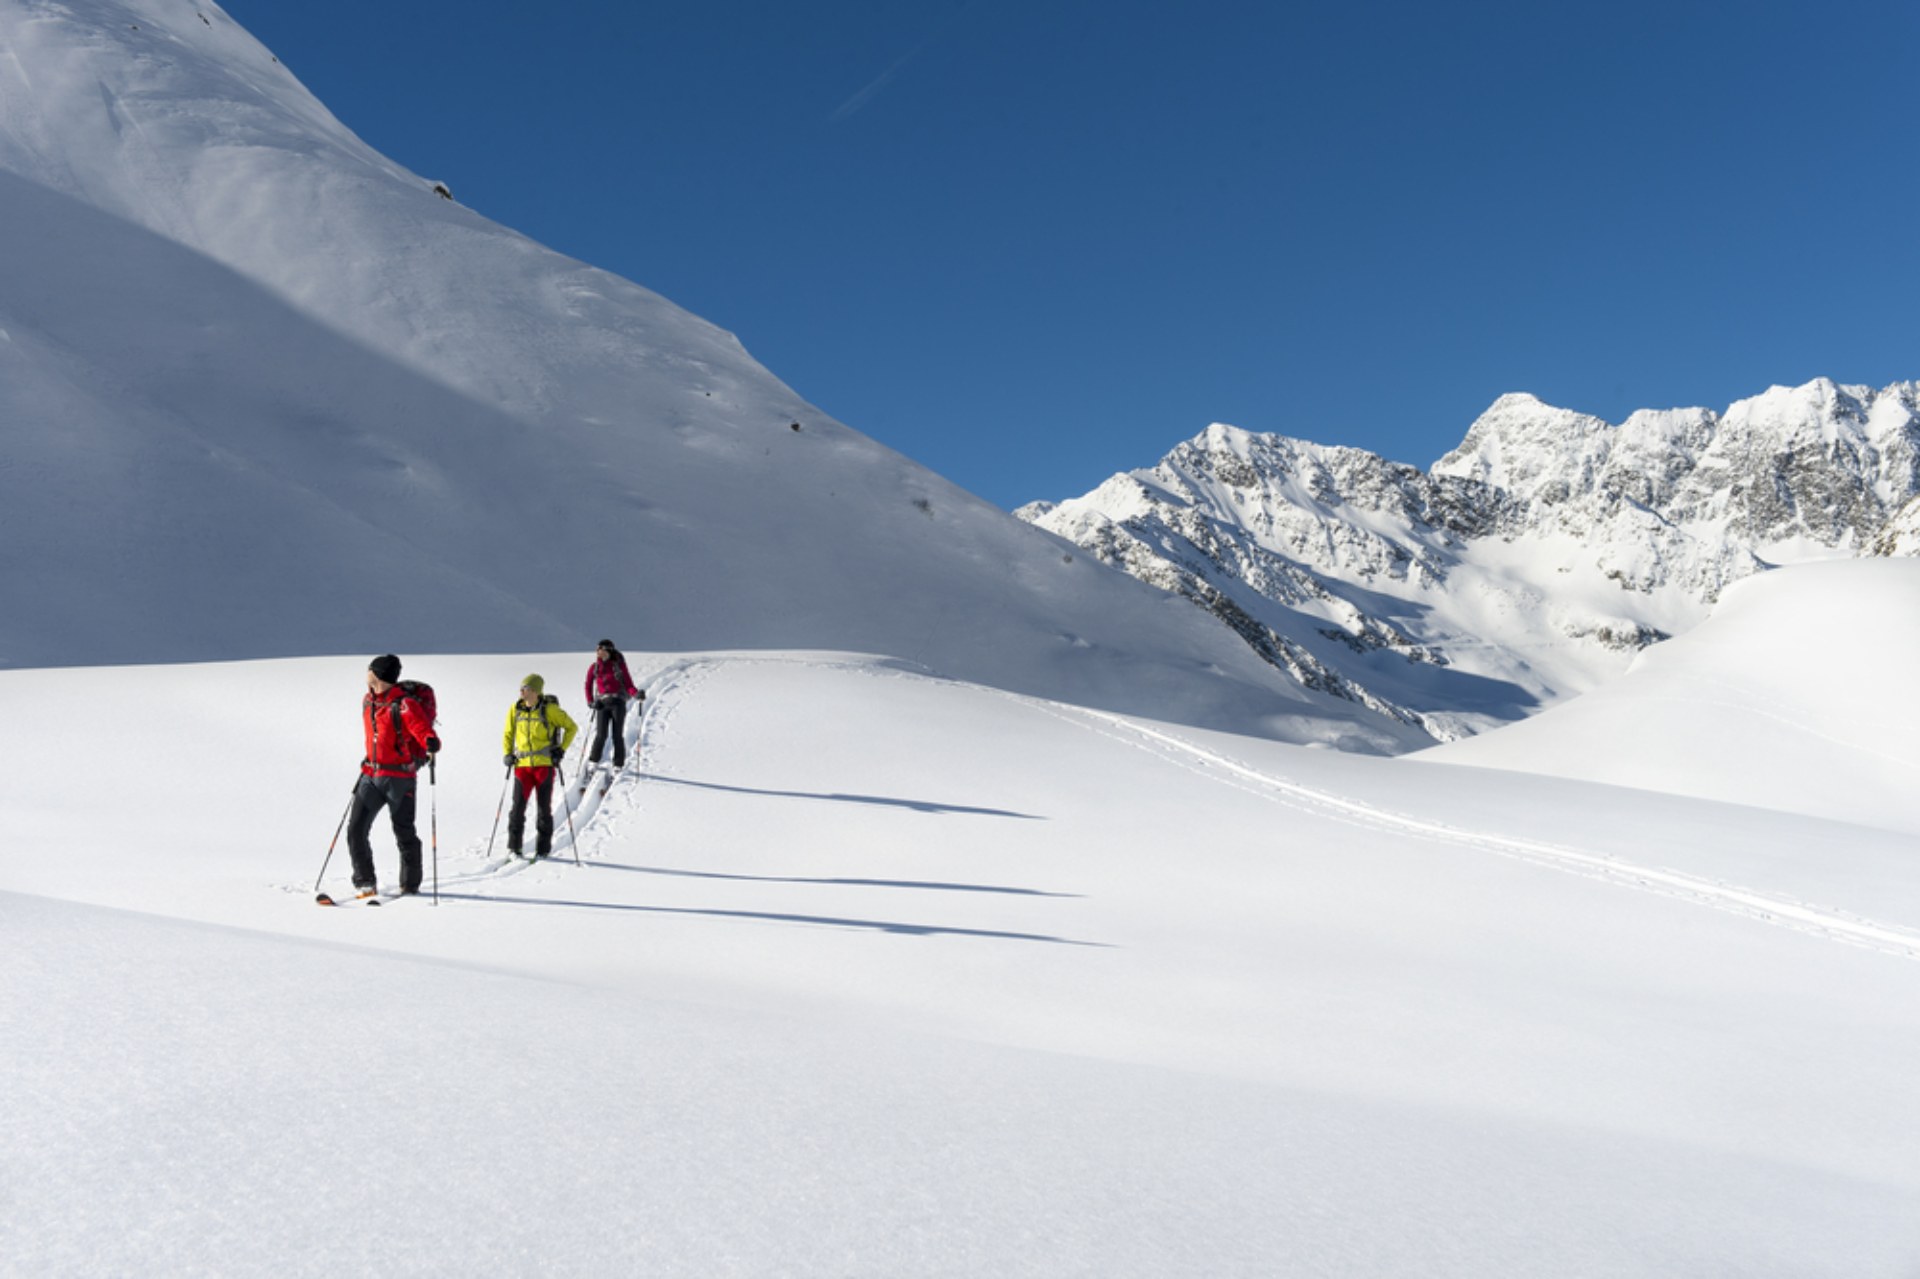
x: 390, y: 754
x: 609, y: 679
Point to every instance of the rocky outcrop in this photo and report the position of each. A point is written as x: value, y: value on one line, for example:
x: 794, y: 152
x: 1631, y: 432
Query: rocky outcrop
x: 1901, y: 536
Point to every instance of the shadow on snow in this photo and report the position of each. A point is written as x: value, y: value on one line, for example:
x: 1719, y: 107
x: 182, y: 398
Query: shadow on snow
x: 843, y: 883
x: 823, y: 921
x: 917, y: 805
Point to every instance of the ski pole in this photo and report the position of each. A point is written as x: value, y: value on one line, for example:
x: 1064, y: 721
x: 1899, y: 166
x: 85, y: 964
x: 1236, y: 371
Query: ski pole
x: 498, y: 809
x: 433, y: 789
x: 594, y: 757
x: 560, y: 784
x: 336, y: 835
x: 639, y: 735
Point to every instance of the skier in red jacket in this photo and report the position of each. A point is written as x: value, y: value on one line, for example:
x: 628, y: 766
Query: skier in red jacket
x: 609, y: 685
x: 398, y: 721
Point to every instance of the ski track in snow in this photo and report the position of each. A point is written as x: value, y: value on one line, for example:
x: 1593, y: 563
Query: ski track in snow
x: 596, y: 817
x: 574, y: 816
x: 1749, y: 903
x: 586, y: 817
x: 1754, y: 904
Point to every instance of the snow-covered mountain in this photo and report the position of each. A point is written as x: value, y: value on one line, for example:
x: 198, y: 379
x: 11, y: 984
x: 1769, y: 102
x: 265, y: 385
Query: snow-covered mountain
x: 265, y: 392
x: 1525, y: 566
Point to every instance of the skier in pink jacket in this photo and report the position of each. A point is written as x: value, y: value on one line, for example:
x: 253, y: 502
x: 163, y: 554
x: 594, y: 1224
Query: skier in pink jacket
x: 609, y: 685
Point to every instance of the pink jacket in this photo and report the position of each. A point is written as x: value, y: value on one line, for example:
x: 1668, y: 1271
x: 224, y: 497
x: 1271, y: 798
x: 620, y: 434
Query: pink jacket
x: 609, y: 679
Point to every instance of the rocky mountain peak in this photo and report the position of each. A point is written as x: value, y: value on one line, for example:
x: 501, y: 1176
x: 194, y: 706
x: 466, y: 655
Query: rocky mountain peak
x: 1527, y: 564
x: 1531, y: 450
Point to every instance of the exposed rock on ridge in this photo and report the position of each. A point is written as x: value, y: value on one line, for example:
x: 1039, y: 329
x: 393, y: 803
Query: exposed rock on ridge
x: 1523, y: 567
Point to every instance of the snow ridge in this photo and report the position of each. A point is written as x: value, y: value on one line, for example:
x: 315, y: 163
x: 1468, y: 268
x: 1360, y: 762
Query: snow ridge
x: 1524, y: 567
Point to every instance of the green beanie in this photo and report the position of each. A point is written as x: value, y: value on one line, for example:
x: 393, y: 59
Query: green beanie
x: 535, y: 683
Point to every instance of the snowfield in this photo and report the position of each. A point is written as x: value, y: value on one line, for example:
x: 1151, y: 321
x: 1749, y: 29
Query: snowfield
x: 970, y: 908
x: 870, y: 972
x: 1738, y: 707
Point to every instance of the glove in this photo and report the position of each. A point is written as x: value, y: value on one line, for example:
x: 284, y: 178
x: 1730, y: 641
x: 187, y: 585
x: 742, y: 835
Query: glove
x: 433, y: 744
x: 509, y: 759
x: 639, y: 694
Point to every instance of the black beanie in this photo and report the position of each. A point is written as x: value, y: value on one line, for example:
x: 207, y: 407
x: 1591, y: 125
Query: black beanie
x: 385, y: 668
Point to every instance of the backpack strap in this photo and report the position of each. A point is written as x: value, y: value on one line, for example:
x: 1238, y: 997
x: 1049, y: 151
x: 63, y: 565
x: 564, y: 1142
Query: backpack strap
x: 520, y: 711
x: 399, y: 734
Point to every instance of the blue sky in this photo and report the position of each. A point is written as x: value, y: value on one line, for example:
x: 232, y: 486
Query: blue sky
x: 1034, y: 242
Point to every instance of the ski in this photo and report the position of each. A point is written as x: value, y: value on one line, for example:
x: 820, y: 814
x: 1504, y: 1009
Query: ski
x: 608, y: 775
x: 325, y: 899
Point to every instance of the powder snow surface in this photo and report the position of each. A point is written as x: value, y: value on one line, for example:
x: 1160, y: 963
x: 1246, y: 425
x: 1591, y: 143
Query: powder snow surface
x: 1763, y: 704
x: 872, y: 973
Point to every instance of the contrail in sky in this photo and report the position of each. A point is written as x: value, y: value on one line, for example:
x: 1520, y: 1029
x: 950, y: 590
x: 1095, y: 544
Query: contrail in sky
x: 879, y: 82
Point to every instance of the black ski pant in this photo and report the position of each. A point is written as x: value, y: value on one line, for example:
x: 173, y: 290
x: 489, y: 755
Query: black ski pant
x: 610, y: 712
x: 537, y: 782
x: 396, y: 795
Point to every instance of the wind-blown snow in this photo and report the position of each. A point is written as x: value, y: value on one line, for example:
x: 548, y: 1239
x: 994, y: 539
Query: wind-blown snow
x: 871, y: 972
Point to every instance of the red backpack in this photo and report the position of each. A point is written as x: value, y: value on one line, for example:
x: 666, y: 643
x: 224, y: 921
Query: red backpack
x: 420, y: 694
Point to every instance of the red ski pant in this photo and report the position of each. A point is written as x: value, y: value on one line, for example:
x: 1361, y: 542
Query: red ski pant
x: 537, y: 782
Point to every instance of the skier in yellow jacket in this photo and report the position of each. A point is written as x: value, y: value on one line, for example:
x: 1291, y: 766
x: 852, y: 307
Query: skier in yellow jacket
x: 537, y: 735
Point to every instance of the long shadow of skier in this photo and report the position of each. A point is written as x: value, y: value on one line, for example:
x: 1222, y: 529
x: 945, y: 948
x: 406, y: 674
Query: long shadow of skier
x: 917, y: 805
x: 841, y: 883
x: 761, y: 916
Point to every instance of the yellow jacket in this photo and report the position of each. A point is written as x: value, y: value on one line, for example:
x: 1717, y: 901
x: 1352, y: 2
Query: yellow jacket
x: 537, y: 736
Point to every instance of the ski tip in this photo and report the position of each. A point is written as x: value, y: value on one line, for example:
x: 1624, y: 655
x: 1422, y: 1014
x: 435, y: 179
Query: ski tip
x: 321, y: 899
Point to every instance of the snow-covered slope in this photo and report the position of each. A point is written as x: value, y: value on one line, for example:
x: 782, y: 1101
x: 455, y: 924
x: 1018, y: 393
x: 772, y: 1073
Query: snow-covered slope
x: 1528, y: 565
x: 973, y: 984
x: 264, y: 392
x: 1798, y: 694
x: 863, y: 970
